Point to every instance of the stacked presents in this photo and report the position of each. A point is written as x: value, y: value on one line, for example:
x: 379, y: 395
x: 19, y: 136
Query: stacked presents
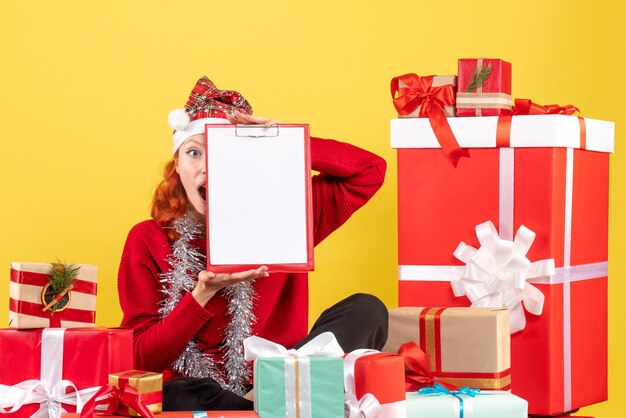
x: 54, y: 361
x: 503, y: 206
x: 502, y: 227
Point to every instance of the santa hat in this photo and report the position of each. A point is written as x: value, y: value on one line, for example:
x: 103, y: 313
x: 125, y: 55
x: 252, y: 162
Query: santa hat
x: 206, y: 105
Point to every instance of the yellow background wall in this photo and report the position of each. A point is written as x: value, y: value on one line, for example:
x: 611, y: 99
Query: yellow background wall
x: 85, y: 88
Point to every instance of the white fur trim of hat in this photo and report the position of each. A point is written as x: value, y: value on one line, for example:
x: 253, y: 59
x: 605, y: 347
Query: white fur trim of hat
x: 179, y: 121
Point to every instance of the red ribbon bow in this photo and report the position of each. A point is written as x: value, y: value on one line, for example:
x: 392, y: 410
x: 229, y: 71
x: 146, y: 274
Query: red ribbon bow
x: 527, y: 107
x: 420, y: 92
x: 112, y: 396
x: 418, y: 374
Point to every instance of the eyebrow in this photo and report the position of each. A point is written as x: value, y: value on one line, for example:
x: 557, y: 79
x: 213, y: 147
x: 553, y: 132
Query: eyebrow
x: 196, y: 142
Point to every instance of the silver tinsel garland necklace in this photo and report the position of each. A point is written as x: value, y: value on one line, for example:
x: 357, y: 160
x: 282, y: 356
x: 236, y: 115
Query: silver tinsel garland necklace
x: 186, y: 262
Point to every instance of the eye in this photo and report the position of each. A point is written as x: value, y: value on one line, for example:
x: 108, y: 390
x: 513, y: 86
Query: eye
x: 194, y: 153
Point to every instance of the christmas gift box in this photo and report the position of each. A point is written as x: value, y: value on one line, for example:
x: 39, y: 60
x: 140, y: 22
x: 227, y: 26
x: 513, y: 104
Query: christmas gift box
x: 484, y: 87
x: 415, y: 95
x: 148, y: 387
x: 408, y: 89
x: 464, y: 403
x: 194, y: 414
x: 130, y: 393
x: 374, y: 384
x: 52, y: 295
x: 44, y: 372
x: 545, y: 176
x: 463, y: 346
x: 303, y: 382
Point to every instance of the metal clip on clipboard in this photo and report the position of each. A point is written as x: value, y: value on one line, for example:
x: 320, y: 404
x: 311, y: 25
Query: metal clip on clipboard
x: 256, y: 131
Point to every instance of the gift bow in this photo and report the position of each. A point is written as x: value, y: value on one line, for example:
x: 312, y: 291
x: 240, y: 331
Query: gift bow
x: 111, y: 396
x: 527, y: 107
x: 419, y: 92
x: 324, y: 345
x: 50, y: 398
x: 496, y: 274
x: 366, y: 407
x: 439, y: 390
x: 417, y: 373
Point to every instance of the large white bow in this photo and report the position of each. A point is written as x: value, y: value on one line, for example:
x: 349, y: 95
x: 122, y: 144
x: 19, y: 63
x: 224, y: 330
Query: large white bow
x: 496, y: 275
x: 324, y: 345
x: 49, y: 398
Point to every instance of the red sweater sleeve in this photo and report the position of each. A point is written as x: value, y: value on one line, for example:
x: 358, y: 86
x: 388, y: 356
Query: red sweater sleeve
x: 157, y: 342
x: 349, y: 177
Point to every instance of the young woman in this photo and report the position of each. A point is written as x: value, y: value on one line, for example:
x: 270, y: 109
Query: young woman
x: 190, y: 323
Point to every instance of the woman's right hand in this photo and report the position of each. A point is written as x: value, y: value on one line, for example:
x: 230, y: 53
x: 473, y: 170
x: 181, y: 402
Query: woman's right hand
x: 209, y: 283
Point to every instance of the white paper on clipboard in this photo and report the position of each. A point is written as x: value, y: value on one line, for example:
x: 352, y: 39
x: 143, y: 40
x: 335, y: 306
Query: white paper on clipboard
x: 258, y: 196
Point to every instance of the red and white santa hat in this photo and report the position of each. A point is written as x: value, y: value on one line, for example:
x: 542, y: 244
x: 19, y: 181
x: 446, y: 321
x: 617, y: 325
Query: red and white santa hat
x: 206, y: 105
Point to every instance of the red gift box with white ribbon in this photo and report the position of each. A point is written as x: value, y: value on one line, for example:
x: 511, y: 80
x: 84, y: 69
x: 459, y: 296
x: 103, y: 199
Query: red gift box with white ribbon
x: 46, y: 372
x: 374, y: 384
x: 542, y: 180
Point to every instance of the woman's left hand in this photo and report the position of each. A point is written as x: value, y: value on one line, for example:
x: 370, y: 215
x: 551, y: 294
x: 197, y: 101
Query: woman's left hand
x: 245, y: 119
x: 210, y: 283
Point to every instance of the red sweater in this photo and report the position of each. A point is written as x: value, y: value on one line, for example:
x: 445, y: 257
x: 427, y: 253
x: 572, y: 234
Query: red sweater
x: 349, y: 177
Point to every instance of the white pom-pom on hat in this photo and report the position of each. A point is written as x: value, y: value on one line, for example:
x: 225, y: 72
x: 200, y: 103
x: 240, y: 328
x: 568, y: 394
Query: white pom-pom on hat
x: 178, y: 119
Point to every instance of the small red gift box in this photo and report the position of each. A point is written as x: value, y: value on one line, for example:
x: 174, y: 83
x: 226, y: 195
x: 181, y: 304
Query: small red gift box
x: 26, y: 303
x: 60, y: 367
x: 484, y: 87
x: 374, y: 381
x: 551, y: 177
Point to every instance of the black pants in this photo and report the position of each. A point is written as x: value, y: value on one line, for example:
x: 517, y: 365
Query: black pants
x: 359, y: 321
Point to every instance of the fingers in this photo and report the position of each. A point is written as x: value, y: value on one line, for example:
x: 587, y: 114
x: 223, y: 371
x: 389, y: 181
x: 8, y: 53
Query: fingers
x: 245, y: 119
x: 250, y: 274
x: 212, y: 279
x: 205, y: 276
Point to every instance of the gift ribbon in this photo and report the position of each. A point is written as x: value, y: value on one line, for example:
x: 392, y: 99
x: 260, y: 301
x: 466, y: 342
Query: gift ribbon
x: 69, y: 314
x: 50, y: 390
x: 419, y: 92
x: 528, y: 107
x: 418, y: 373
x: 111, y: 397
x: 297, y: 366
x: 463, y: 410
x: 41, y: 279
x: 496, y: 274
x: 366, y: 407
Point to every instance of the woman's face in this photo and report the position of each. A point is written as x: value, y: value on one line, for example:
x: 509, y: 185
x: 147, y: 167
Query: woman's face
x: 191, y: 167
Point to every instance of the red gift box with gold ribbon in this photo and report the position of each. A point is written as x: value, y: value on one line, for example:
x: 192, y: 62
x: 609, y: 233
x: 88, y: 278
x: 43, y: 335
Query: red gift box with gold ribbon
x: 44, y: 372
x: 484, y: 87
x: 549, y: 174
x: 27, y: 300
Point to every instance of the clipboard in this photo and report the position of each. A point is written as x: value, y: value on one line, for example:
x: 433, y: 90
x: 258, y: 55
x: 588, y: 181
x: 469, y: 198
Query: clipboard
x: 258, y: 197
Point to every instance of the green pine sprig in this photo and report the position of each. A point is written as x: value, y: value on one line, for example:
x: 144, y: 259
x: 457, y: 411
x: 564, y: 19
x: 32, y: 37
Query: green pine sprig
x: 479, y: 78
x: 62, y: 275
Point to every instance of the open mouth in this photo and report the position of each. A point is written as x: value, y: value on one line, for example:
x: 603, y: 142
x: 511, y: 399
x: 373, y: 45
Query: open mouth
x: 202, y: 191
